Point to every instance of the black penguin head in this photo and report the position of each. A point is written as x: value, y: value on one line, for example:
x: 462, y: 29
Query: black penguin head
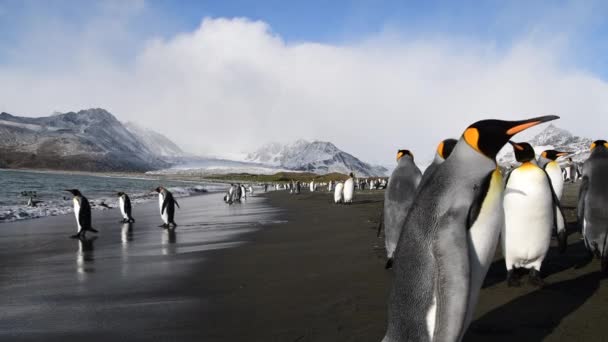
x: 523, y: 151
x: 445, y: 148
x: 74, y: 192
x: 351, y: 175
x: 159, y: 189
x: 402, y: 153
x: 489, y: 136
x: 120, y: 193
x: 553, y: 154
x: 599, y: 143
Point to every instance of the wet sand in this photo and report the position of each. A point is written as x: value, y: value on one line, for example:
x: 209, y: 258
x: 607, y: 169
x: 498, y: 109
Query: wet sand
x: 312, y: 272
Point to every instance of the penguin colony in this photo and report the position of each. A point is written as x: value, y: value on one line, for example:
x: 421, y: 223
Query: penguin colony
x: 442, y: 228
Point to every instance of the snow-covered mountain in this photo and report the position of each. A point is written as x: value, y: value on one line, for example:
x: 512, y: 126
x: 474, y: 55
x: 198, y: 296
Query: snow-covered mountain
x: 156, y: 143
x: 88, y: 140
x: 555, y: 138
x: 317, y: 156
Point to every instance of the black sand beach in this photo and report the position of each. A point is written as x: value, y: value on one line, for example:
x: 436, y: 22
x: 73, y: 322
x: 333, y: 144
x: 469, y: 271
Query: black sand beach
x: 309, y: 271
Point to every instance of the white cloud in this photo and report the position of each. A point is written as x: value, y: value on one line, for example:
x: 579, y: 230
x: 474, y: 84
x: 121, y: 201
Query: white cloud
x: 233, y: 84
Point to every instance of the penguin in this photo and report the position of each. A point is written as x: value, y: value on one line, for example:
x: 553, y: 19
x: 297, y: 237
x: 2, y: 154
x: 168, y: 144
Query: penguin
x: 449, y: 238
x: 330, y: 186
x: 82, y: 211
x: 243, y: 192
x: 547, y: 160
x: 532, y: 212
x: 398, y: 198
x: 349, y: 189
x: 312, y: 186
x: 167, y: 204
x: 339, y: 193
x: 250, y: 189
x: 593, y: 201
x: 444, y: 149
x: 125, y: 207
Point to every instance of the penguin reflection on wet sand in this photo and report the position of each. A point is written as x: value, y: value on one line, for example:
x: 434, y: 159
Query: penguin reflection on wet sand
x: 398, y: 198
x: 167, y: 204
x: 532, y: 213
x: 82, y: 211
x: 449, y: 238
x: 124, y: 203
x: 593, y: 203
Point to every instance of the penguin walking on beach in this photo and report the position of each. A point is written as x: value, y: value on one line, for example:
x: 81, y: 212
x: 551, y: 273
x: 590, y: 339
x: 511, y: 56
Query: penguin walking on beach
x: 124, y: 202
x: 312, y: 186
x: 398, y: 198
x: 349, y: 189
x: 330, y: 186
x: 339, y: 193
x: 444, y: 149
x: 548, y: 161
x: 166, y: 203
x: 593, y: 201
x: 82, y: 211
x: 449, y: 238
x: 532, y: 213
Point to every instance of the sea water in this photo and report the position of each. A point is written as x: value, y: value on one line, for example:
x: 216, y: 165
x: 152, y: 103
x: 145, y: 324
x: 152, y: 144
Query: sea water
x: 16, y: 188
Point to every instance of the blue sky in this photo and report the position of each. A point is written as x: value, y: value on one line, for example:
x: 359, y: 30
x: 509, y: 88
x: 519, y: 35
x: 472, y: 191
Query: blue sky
x: 337, y: 70
x: 499, y: 22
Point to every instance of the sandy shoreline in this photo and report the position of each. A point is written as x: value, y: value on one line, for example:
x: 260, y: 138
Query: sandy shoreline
x: 313, y: 273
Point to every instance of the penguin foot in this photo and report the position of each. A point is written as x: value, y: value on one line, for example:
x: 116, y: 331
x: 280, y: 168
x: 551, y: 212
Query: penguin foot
x: 132, y: 220
x: 512, y: 279
x: 164, y: 225
x: 389, y: 264
x: 534, y: 278
x: 93, y: 230
x: 75, y: 236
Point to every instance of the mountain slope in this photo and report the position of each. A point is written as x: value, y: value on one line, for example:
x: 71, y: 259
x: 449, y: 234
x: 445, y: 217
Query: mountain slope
x: 88, y: 140
x: 556, y: 138
x: 155, y: 142
x: 317, y: 156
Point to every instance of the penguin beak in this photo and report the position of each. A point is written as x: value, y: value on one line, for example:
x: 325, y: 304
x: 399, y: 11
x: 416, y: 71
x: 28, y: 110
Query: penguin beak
x: 399, y: 155
x: 440, y: 150
x: 561, y: 154
x: 516, y: 146
x: 518, y: 126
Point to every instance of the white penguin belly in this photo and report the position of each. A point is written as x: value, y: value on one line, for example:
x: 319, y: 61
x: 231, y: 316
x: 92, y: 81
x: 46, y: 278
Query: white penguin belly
x: 338, y: 193
x: 557, y: 181
x: 122, y: 208
x: 528, y: 207
x: 349, y: 189
x: 483, y: 238
x: 163, y: 215
x: 76, y: 213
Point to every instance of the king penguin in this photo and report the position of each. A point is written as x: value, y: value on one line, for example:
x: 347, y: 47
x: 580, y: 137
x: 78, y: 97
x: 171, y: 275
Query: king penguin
x: 398, y: 198
x: 593, y: 201
x: 547, y: 160
x: 449, y: 238
x: 339, y: 193
x: 532, y: 213
x: 82, y: 211
x: 125, y: 208
x: 444, y: 149
x: 166, y: 204
x: 349, y: 189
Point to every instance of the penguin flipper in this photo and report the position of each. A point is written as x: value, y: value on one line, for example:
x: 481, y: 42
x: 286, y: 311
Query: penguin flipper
x: 481, y: 193
x: 559, y: 219
x: 177, y: 204
x: 389, y: 264
x: 580, y: 212
x: 93, y: 230
x: 165, y: 204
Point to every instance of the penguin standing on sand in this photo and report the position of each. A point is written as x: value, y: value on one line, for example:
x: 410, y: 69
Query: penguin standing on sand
x: 398, y: 198
x: 167, y: 204
x: 339, y: 193
x: 449, y: 238
x: 531, y: 214
x: 330, y: 186
x: 82, y: 211
x: 444, y: 149
x: 593, y: 201
x: 312, y: 186
x: 349, y: 189
x: 547, y: 161
x: 125, y: 208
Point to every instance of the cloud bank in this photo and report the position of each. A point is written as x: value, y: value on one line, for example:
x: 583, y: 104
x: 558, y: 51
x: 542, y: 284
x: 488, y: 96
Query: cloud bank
x: 233, y: 84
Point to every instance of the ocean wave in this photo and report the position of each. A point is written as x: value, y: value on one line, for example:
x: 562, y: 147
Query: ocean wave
x: 11, y: 213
